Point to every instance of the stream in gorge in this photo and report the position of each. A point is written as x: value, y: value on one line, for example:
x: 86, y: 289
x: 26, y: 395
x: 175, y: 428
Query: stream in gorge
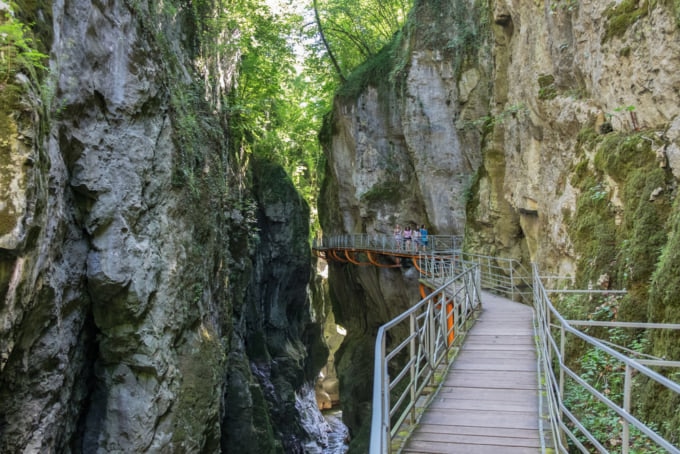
x: 329, y: 434
x: 338, y: 436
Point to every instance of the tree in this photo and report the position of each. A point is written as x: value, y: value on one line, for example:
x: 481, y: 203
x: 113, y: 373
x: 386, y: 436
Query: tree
x: 352, y: 31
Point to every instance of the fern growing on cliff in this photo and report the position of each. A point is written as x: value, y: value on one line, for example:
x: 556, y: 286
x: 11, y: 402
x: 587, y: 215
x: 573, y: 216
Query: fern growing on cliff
x: 17, y: 52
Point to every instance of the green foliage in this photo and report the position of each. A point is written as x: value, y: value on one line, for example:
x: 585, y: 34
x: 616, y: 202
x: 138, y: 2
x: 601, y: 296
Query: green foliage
x: 564, y: 5
x: 21, y: 68
x: 674, y: 6
x: 471, y: 25
x: 620, y: 153
x: 620, y: 17
x: 18, y: 54
x: 487, y: 122
x: 17, y: 50
x: 357, y: 30
x: 594, y: 231
x: 641, y: 247
x: 373, y: 72
x: 606, y: 374
x: 643, y: 222
x: 627, y: 249
x: 664, y: 304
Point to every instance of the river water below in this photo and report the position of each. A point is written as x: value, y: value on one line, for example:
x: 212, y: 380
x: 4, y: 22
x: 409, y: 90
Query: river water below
x: 327, y: 433
x: 339, y: 435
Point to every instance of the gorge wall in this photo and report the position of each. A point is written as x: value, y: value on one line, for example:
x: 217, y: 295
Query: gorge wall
x: 152, y: 281
x: 545, y: 131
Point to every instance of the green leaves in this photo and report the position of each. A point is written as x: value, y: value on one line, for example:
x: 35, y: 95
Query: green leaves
x: 16, y: 48
x: 356, y: 30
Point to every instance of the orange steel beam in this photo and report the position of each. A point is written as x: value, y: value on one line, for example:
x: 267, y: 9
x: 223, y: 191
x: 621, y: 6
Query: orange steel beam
x: 423, y: 290
x: 372, y: 258
x: 415, y: 263
x: 352, y: 259
x: 449, y: 322
x: 335, y: 256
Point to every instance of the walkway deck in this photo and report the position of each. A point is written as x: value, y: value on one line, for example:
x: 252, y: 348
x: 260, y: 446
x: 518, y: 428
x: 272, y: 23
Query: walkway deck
x: 489, y: 400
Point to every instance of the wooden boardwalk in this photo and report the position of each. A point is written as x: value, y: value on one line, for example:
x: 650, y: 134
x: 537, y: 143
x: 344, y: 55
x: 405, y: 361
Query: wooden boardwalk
x: 489, y: 400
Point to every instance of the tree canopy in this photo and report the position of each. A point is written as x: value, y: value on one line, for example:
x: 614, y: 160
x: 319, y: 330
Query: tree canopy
x: 353, y: 31
x: 287, y: 80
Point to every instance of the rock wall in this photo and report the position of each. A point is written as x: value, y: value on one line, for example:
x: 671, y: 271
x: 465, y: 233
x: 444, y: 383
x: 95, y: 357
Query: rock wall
x: 546, y: 131
x: 562, y: 67
x: 149, y: 300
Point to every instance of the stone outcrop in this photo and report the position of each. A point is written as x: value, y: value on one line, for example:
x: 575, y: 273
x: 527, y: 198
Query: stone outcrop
x: 149, y: 300
x: 544, y: 131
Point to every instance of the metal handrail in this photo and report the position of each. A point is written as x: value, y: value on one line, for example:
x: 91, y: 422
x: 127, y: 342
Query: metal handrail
x: 380, y: 242
x: 556, y: 371
x: 420, y: 340
x: 503, y: 276
x: 428, y: 346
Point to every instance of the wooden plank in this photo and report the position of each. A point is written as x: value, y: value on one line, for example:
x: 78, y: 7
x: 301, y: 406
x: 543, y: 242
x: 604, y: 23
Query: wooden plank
x: 483, y: 354
x: 493, y: 379
x: 501, y: 341
x: 481, y: 432
x: 482, y: 418
x: 465, y: 392
x: 451, y: 448
x: 500, y: 364
x: 512, y: 440
x: 468, y: 406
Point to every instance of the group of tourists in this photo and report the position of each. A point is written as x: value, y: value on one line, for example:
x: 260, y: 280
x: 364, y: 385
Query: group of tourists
x: 410, y: 238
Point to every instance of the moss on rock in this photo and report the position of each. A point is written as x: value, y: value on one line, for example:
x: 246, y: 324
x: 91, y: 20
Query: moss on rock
x: 620, y: 17
x: 623, y: 241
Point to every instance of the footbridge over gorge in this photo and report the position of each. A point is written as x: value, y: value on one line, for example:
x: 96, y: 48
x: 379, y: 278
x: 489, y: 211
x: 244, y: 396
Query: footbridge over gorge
x: 480, y: 364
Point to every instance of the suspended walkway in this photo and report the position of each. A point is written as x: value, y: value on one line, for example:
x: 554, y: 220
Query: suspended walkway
x: 466, y: 371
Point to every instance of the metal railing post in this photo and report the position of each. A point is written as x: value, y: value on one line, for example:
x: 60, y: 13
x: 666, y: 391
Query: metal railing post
x: 414, y: 376
x: 512, y: 284
x: 563, y: 341
x: 431, y: 335
x: 627, y: 388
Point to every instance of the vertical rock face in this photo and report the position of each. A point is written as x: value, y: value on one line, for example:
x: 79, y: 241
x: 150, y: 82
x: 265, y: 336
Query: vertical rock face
x: 143, y: 307
x: 548, y: 134
x: 563, y: 67
x: 274, y: 338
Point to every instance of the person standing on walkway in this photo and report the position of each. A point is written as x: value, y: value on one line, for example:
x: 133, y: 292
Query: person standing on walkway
x: 407, y: 237
x: 416, y: 238
x: 423, y: 237
x: 397, y: 237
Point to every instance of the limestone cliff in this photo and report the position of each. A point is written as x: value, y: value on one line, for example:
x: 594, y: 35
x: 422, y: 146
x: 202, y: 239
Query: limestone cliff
x: 545, y: 131
x: 152, y: 288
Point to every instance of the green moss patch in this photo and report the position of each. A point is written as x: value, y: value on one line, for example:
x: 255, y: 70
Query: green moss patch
x: 620, y: 153
x: 624, y: 242
x: 622, y: 16
x: 374, y: 72
x: 383, y: 192
x: 546, y: 87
